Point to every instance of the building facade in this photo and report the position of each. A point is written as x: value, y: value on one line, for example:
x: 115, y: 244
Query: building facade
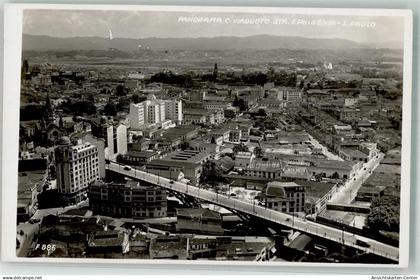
x: 130, y: 200
x: 77, y: 166
x: 287, y: 197
x: 173, y: 110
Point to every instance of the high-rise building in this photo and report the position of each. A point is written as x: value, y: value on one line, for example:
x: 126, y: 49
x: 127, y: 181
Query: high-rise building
x: 115, y: 137
x: 136, y: 115
x: 119, y: 133
x: 173, y: 110
x: 152, y: 111
x: 77, y: 166
x: 100, y: 144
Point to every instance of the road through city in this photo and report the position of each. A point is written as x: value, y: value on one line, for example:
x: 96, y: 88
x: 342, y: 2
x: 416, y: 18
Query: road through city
x: 347, y: 193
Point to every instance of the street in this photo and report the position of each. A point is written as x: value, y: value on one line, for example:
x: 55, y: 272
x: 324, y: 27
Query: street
x: 347, y: 193
x: 324, y: 149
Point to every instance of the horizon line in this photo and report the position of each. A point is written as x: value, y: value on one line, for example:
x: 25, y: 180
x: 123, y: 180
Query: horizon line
x: 221, y: 36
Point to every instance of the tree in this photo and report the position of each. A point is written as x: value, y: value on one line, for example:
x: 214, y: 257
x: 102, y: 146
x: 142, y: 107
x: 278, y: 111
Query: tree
x: 384, y: 214
x: 261, y: 112
x: 240, y: 148
x: 110, y: 109
x: 137, y: 99
x: 266, y: 123
x: 335, y: 175
x: 318, y: 177
x: 82, y: 107
x: 259, y: 153
x: 121, y: 90
x: 211, y: 174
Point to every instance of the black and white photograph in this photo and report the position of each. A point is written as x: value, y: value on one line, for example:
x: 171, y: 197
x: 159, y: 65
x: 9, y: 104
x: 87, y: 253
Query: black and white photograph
x: 208, y: 135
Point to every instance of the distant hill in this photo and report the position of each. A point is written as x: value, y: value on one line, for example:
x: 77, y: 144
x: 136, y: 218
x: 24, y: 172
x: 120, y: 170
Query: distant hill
x: 257, y: 42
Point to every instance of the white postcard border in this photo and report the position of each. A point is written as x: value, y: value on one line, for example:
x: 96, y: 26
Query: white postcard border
x: 10, y: 128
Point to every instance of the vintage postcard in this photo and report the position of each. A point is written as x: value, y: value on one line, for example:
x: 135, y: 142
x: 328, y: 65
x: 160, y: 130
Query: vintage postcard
x: 206, y: 135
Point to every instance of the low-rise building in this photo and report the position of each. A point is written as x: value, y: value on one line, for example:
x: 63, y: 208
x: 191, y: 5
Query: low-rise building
x: 169, y: 247
x: 317, y: 195
x: 248, y: 248
x: 200, y: 220
x: 235, y: 135
x: 138, y: 158
x: 30, y: 183
x: 220, y: 133
x: 130, y: 200
x: 107, y: 242
x: 189, y: 162
x: 264, y: 168
x: 369, y: 193
x: 349, y: 115
x: 353, y: 155
x: 243, y: 159
x: 287, y: 197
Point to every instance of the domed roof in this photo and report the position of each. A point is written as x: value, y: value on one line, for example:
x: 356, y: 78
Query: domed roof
x: 275, y: 191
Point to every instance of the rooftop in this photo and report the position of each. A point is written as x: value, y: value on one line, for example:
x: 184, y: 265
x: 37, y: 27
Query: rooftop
x: 192, y: 156
x: 106, y: 238
x: 354, y: 153
x: 203, y: 213
x: 266, y: 165
x: 180, y: 130
x: 278, y: 189
x: 145, y: 154
x: 28, y: 180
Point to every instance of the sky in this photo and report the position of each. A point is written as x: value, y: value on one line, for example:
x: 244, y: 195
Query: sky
x: 143, y: 24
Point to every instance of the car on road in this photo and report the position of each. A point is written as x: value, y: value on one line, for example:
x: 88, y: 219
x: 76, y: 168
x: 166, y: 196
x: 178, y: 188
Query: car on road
x: 128, y: 168
x: 233, y: 194
x: 171, y: 182
x: 287, y: 219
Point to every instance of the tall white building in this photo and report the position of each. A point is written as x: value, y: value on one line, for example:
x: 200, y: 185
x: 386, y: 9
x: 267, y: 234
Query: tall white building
x: 77, y: 166
x: 173, y: 110
x: 154, y: 111
x: 100, y: 144
x: 115, y: 136
x: 120, y: 139
x: 136, y: 115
